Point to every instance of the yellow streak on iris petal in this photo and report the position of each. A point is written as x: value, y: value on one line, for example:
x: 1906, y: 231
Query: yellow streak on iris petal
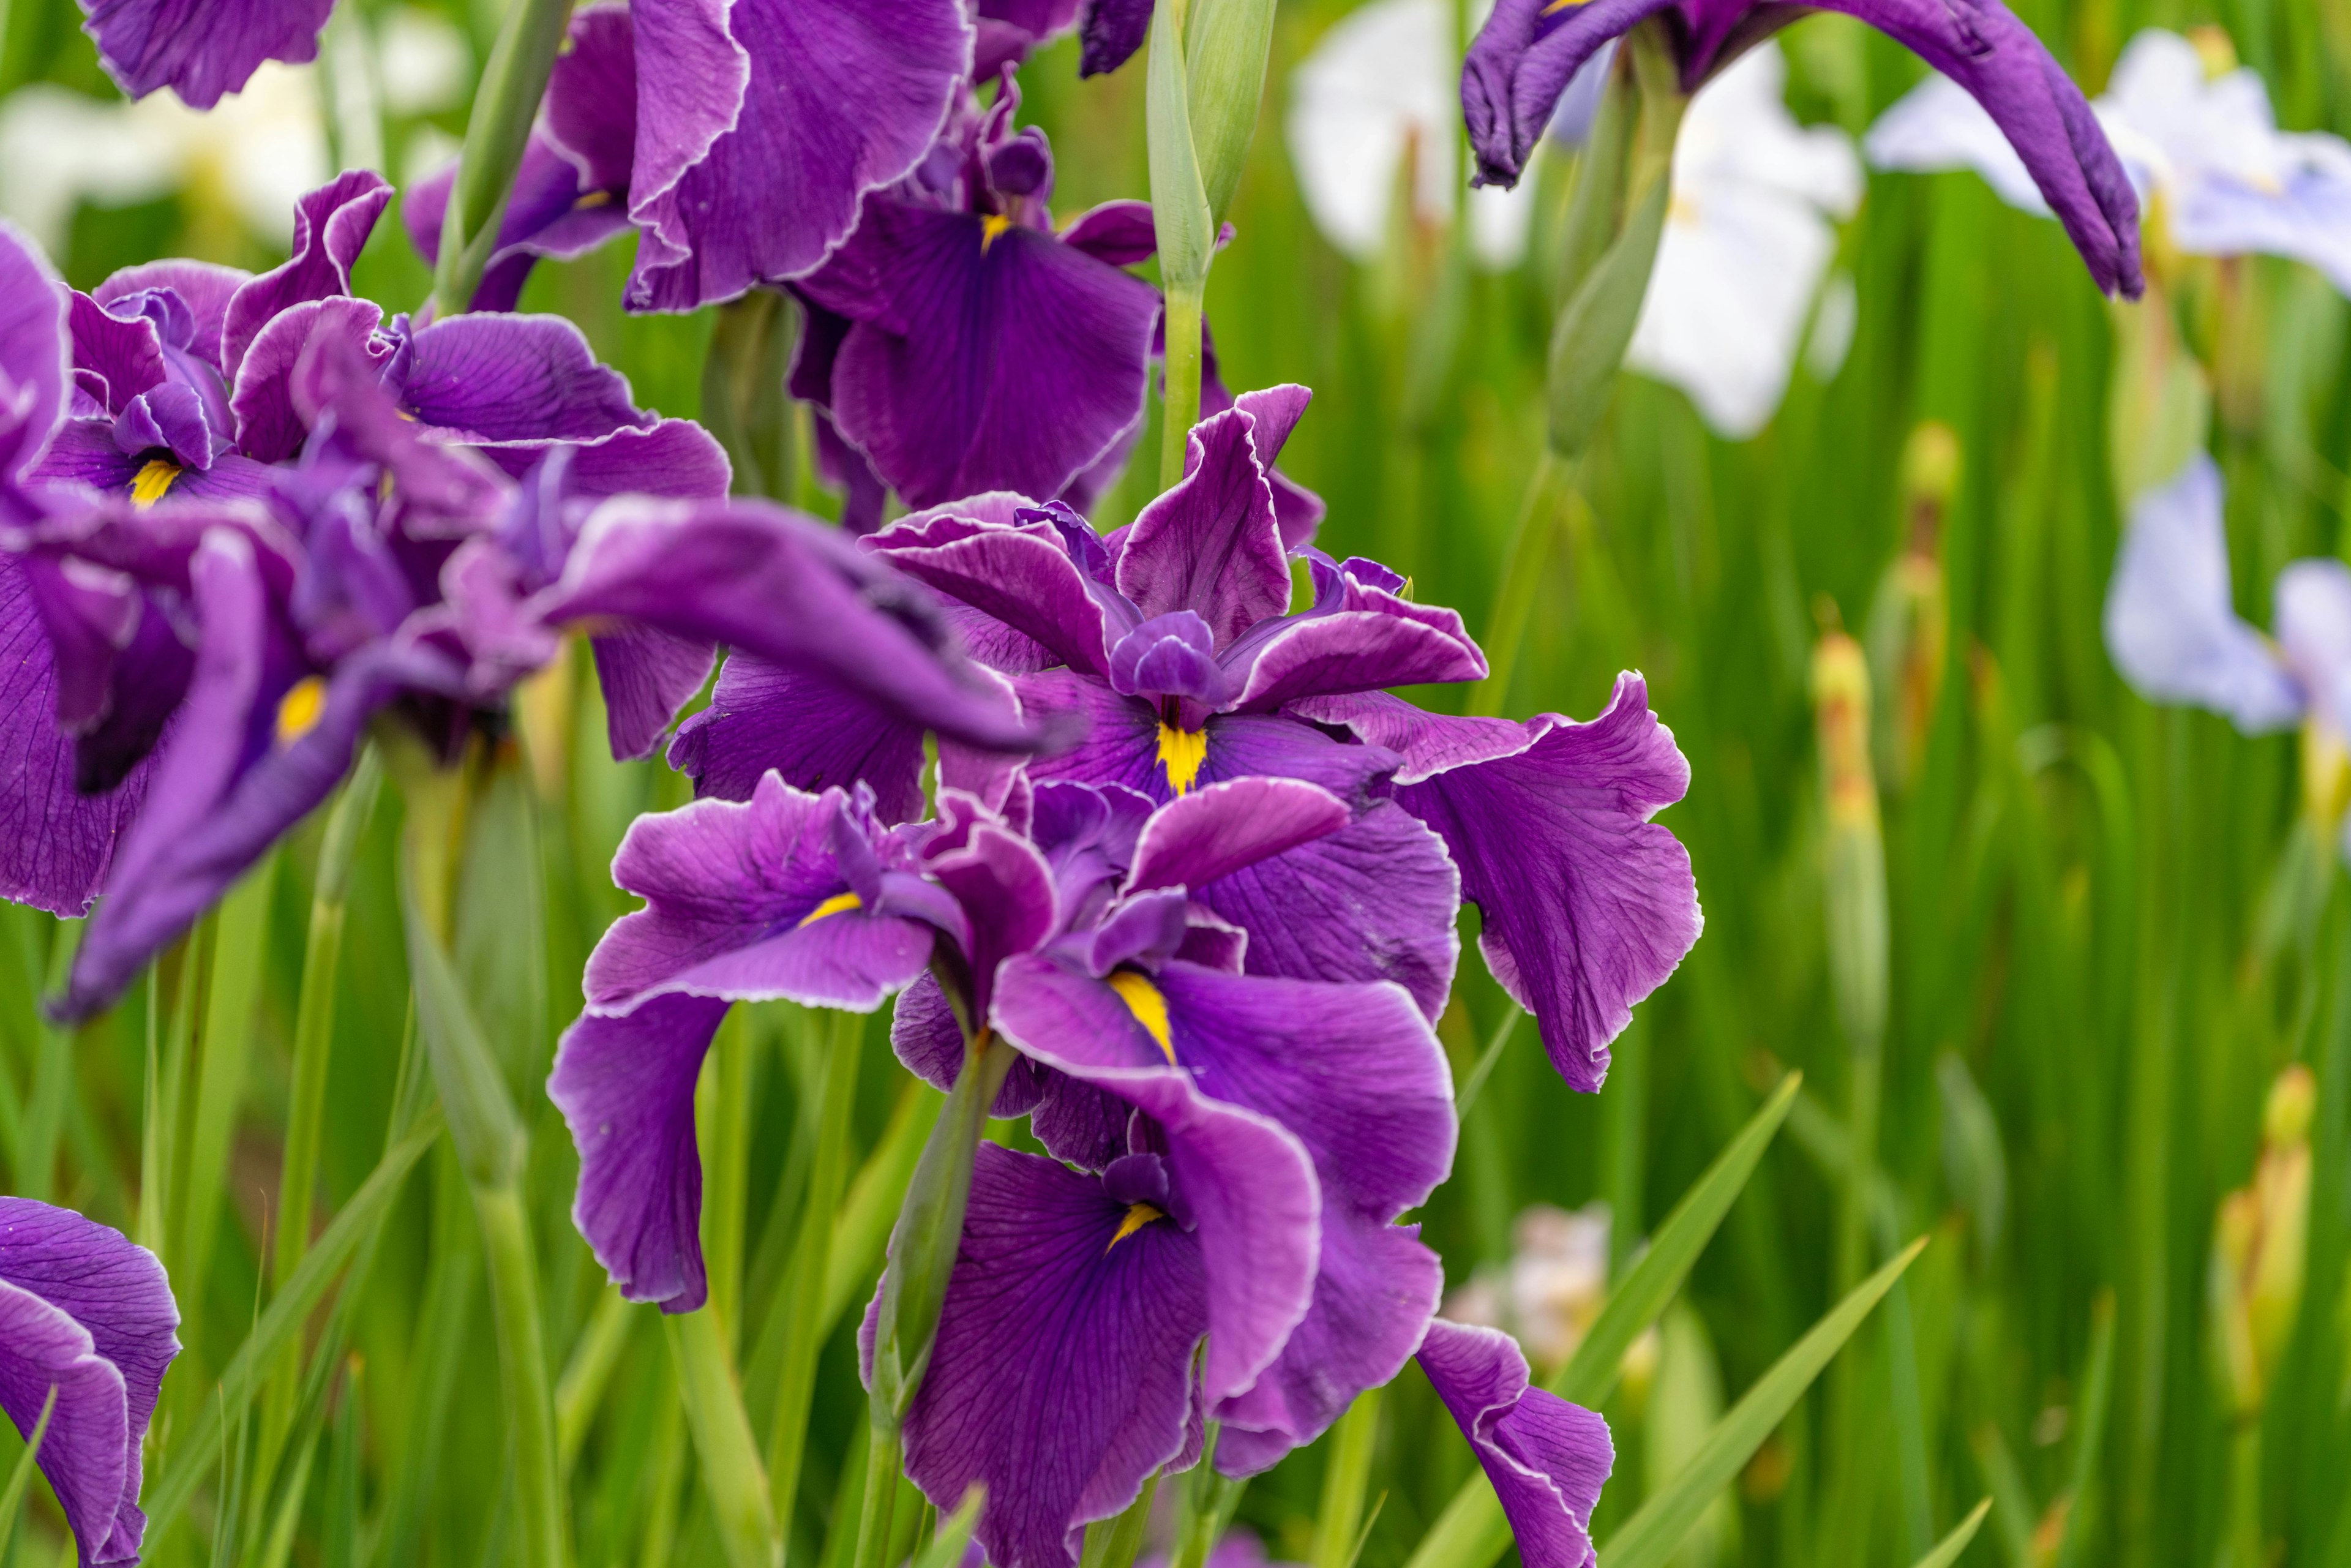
x: 147, y: 485
x: 837, y: 904
x: 1181, y: 754
x: 1556, y: 6
x: 300, y: 709
x: 1138, y: 1215
x: 993, y: 225
x: 1149, y: 1008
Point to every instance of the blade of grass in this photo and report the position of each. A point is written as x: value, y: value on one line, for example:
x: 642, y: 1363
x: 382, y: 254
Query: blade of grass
x: 13, y: 1499
x: 947, y: 1547
x: 581, y: 1387
x: 44, y: 1111
x: 1947, y: 1551
x: 808, y: 1327
x: 1649, y: 1537
x: 2090, y: 1435
x: 240, y: 937
x: 1346, y: 1479
x: 862, y: 1231
x: 732, y: 1476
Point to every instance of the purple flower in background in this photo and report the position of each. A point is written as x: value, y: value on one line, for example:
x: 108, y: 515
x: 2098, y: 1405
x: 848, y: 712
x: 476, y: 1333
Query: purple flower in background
x: 2173, y: 631
x: 201, y: 48
x: 1522, y: 60
x: 958, y: 343
x: 88, y: 1315
x: 1170, y: 639
x: 1547, y: 1458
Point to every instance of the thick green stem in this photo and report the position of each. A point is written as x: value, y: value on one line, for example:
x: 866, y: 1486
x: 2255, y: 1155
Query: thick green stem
x: 522, y: 1370
x: 874, y: 1518
x: 507, y: 101
x: 731, y: 1472
x: 1346, y: 1482
x: 812, y: 1262
x: 1114, y: 1542
x: 1183, y: 400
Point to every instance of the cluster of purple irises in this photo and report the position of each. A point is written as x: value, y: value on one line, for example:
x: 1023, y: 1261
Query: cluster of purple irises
x: 1182, y: 887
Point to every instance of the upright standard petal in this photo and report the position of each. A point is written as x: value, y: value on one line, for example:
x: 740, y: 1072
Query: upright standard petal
x: 1061, y: 1375
x: 200, y: 48
x: 761, y: 182
x: 1212, y: 545
x: 1588, y: 906
x: 2171, y: 627
x: 35, y: 360
x: 88, y: 1313
x: 1547, y: 1458
x: 816, y: 733
x: 331, y: 225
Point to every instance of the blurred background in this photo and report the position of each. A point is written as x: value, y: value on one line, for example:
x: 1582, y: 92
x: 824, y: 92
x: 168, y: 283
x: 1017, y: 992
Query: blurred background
x: 2115, y: 1027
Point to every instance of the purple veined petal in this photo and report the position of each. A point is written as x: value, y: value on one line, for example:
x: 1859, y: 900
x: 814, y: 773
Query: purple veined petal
x: 1248, y: 1183
x: 1518, y: 67
x: 1211, y: 544
x: 646, y: 676
x: 1547, y: 1458
x: 1171, y: 655
x: 514, y: 378
x: 1214, y: 831
x: 56, y: 843
x: 36, y: 357
x: 1377, y: 639
x: 1588, y: 906
x: 591, y: 94
x: 1006, y: 893
x: 625, y: 1086
x: 772, y: 583
x: 331, y: 225
x: 2314, y: 629
x: 863, y: 497
x: 123, y: 357
x: 990, y: 360
x: 759, y: 182
x: 1296, y: 509
x: 1018, y: 575
x: 439, y: 491
x: 1373, y: 901
x: 1983, y: 46
x: 1430, y: 743
x: 671, y: 457
x: 84, y: 1310
x: 816, y: 733
x: 1143, y: 930
x: 1356, y: 1073
x: 1119, y: 233
x: 747, y: 901
x: 202, y: 48
x: 1113, y: 30
x: 1061, y: 1377
x: 203, y: 286
x: 121, y: 670
x: 237, y: 775
x: 928, y: 1041
x: 2171, y: 627
x: 269, y: 428
x: 551, y: 212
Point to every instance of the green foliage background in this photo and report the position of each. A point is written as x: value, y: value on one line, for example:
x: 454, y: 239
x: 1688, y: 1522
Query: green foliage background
x: 2108, y: 925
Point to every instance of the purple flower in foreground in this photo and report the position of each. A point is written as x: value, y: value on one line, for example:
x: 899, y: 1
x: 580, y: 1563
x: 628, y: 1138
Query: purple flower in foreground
x: 958, y: 343
x: 737, y: 139
x: 1522, y: 60
x: 1169, y: 638
x: 1547, y: 1458
x: 88, y: 1315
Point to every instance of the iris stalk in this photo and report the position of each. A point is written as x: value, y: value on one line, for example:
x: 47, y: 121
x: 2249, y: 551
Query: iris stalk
x: 1184, y: 228
x: 506, y: 103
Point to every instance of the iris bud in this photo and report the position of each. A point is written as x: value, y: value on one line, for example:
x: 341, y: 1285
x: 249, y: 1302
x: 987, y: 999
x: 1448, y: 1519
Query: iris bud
x: 2259, y: 1245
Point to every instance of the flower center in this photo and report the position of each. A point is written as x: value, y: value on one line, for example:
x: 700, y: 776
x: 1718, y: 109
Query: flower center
x: 1149, y: 1008
x: 147, y: 486
x: 993, y: 225
x: 1181, y: 754
x: 836, y: 905
x: 299, y: 710
x: 1138, y: 1215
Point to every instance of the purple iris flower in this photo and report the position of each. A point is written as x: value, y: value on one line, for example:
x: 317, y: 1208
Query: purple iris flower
x: 1521, y: 61
x: 1170, y: 639
x: 735, y: 138
x: 88, y: 1315
x: 201, y: 48
x: 223, y: 656
x: 958, y: 343
x: 1547, y: 1458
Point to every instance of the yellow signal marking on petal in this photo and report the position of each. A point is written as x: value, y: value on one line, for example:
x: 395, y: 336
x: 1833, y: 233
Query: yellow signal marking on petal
x: 300, y: 709
x: 1138, y: 1215
x: 1556, y: 6
x: 1181, y: 753
x: 993, y: 225
x: 1149, y: 1008
x: 148, y: 485
x: 593, y: 199
x: 836, y: 905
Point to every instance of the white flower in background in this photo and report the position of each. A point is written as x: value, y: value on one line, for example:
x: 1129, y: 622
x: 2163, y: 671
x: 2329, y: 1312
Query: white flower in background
x: 252, y: 155
x: 1749, y: 234
x: 1552, y: 1290
x: 1385, y: 78
x: 2204, y: 143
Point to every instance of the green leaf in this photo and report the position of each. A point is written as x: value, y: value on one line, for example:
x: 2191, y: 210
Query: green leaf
x: 482, y: 1122
x: 1648, y: 1538
x: 195, y: 1453
x: 1589, y: 340
x: 1947, y: 1551
x: 240, y: 939
x: 12, y: 1499
x: 1225, y: 44
x: 947, y: 1548
x: 1179, y: 203
x: 1471, y: 1533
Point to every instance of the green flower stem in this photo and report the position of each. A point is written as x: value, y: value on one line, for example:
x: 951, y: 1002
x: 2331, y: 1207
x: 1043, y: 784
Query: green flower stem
x: 812, y: 1262
x: 1183, y: 399
x: 505, y: 104
x: 1346, y: 1482
x: 1114, y: 1542
x: 522, y: 1369
x: 724, y: 1109
x: 731, y: 1472
x: 1183, y: 225
x: 874, y: 1518
x: 225, y: 1046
